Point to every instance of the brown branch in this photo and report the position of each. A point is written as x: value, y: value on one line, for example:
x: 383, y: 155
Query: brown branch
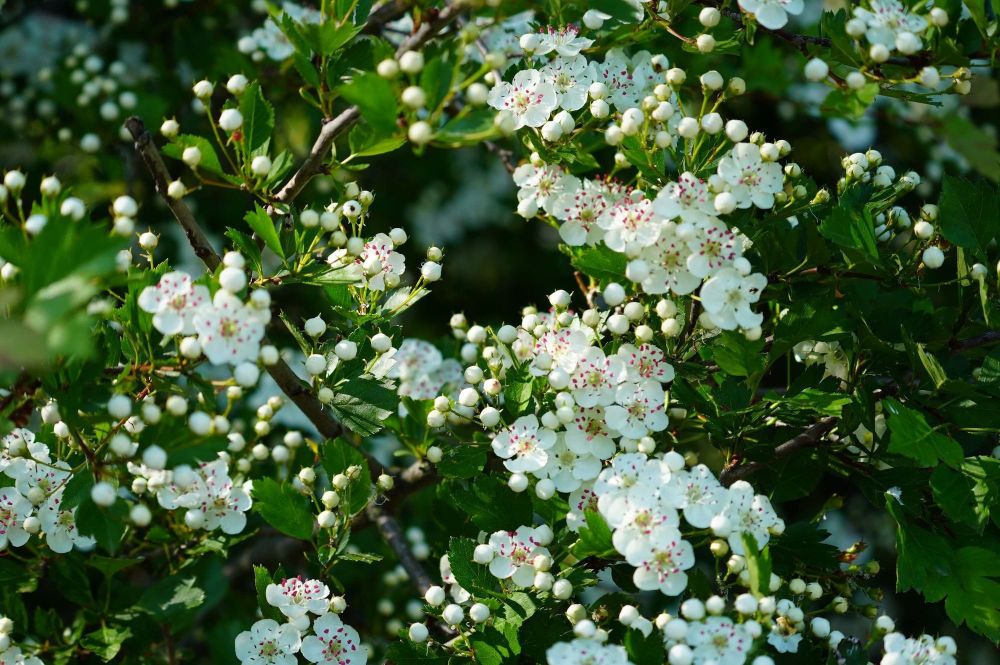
x: 392, y: 534
x: 314, y: 163
x: 811, y: 437
x: 161, y: 178
x: 977, y: 341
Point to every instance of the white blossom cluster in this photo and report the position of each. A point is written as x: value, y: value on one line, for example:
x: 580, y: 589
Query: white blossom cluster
x: 830, y: 355
x: 313, y: 629
x: 11, y: 654
x: 33, y: 505
x: 890, y: 25
x: 422, y: 371
x: 268, y: 41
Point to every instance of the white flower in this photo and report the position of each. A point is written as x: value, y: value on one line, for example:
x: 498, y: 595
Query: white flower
x: 688, y: 199
x: 173, y: 302
x: 528, y: 98
x: 566, y: 41
x: 567, y: 468
x: 421, y: 370
x: 564, y: 348
x: 782, y: 642
x: 14, y: 509
x: 59, y: 525
x: 570, y: 77
x: 13, y: 656
x: 645, y: 363
x: 660, y: 560
x: 596, y: 378
x: 514, y: 555
x: 750, y: 179
x: 524, y: 444
x: 727, y: 297
x: 589, y: 434
x: 228, y: 331
x: 21, y: 440
x: 748, y: 513
x: 667, y: 260
x: 698, y: 493
x: 223, y: 504
x: 334, y: 643
x: 713, y: 247
x: 544, y: 186
x: 458, y: 594
x: 582, y: 500
x: 580, y: 212
x: 268, y: 643
x: 379, y: 259
x: 586, y: 652
x: 629, y: 478
x: 629, y: 80
x: 887, y: 20
x: 718, y: 640
x: 772, y: 14
x: 923, y: 650
x: 48, y: 477
x: 630, y: 224
x: 645, y: 516
x: 639, y: 409
x: 295, y: 596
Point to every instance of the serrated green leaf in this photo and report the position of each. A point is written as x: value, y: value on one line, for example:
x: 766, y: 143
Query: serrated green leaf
x: 283, y: 507
x: 262, y: 224
x: 912, y: 437
x: 258, y: 119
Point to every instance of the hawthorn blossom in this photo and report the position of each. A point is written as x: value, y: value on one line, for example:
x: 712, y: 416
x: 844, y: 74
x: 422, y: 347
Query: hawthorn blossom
x: 228, y: 330
x: 667, y: 260
x: 727, y: 296
x: 750, y: 179
x: 14, y: 509
x: 294, y: 597
x: 173, y: 302
x: 697, y: 492
x: 458, y: 594
x: 580, y: 212
x: 660, y: 559
x: 570, y: 77
x: 629, y: 80
x: 783, y: 638
x: 560, y: 348
x: 222, y: 504
x: 772, y: 14
x: 596, y: 378
x: 269, y: 643
x: 688, y: 199
x: 645, y: 363
x: 59, y: 525
x: 14, y: 656
x: 528, y: 98
x: 543, y: 186
x: 514, y: 555
x: 638, y: 410
x: 567, y: 468
x: 923, y: 650
x: 47, y: 477
x: 718, y: 640
x: 629, y: 477
x: 749, y: 513
x: 586, y: 652
x: 422, y: 372
x: 589, y: 434
x: 581, y: 501
x: 713, y: 247
x: 334, y: 643
x: 379, y: 261
x: 631, y: 224
x: 644, y: 516
x: 21, y: 440
x: 887, y: 20
x: 565, y: 41
x: 524, y: 445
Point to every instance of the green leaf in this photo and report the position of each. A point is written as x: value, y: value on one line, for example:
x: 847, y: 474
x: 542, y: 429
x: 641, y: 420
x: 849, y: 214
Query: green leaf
x: 262, y: 224
x: 643, y: 649
x: 623, y: 10
x: 969, y: 212
x: 403, y: 652
x: 517, y: 391
x: 471, y: 576
x: 595, y: 538
x: 464, y: 460
x: 365, y: 142
x: 912, y: 437
x: 849, y: 230
x: 283, y: 507
x: 758, y: 565
x: 970, y: 494
x: 105, y: 525
x: 738, y: 356
x: 209, y: 160
x: 258, y: 119
x: 376, y: 99
x: 172, y: 597
x: 490, y: 504
x: 599, y: 262
x: 105, y: 642
x: 363, y: 405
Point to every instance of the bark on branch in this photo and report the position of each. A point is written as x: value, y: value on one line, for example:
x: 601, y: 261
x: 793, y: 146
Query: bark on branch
x: 810, y: 438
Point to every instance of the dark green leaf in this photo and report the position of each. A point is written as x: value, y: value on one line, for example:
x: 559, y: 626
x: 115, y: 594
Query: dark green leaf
x: 283, y: 508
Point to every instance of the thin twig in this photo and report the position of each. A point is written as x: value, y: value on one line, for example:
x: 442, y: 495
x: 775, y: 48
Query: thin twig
x: 811, y: 437
x: 392, y: 534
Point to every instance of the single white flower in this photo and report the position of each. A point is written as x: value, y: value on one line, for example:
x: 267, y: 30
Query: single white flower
x: 565, y: 41
x: 173, y: 302
x: 14, y: 509
x: 660, y: 560
x: 748, y: 513
x: 713, y: 247
x: 514, y: 555
x: 223, y: 503
x: 697, y: 493
x: 334, y: 643
x: 544, y: 186
x: 570, y: 77
x: 728, y: 295
x: 628, y: 80
x: 589, y: 434
x: 596, y: 378
x: 524, y: 445
x: 586, y: 652
x: 772, y: 14
x: 229, y: 332
x: 887, y: 20
x: 268, y: 643
x: 718, y: 640
x: 688, y: 199
x: 59, y: 525
x: 638, y: 410
x: 563, y: 348
x: 580, y: 212
x: 295, y: 596
x: 750, y: 179
x: 567, y: 468
x: 631, y: 224
x: 528, y: 98
x: 667, y: 260
x: 645, y: 363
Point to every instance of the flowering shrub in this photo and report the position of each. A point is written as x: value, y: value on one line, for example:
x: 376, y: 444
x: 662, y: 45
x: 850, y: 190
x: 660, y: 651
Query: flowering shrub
x: 225, y: 439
